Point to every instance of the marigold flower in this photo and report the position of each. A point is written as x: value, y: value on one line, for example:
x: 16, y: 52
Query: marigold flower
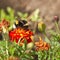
x: 41, y: 45
x: 18, y: 33
x: 4, y: 23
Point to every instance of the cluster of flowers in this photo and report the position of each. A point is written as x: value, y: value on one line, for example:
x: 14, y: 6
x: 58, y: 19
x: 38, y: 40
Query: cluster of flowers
x: 41, y: 45
x: 18, y: 33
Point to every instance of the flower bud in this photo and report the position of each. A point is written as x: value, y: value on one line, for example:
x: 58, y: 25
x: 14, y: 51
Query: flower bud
x: 41, y: 27
x: 30, y: 45
x: 56, y: 18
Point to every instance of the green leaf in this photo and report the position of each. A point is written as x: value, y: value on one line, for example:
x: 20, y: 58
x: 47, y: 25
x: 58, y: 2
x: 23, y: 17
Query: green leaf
x: 30, y: 45
x: 35, y: 15
x: 12, y: 50
x: 47, y: 40
x: 10, y: 15
x: 23, y: 16
x: 3, y: 14
x: 25, y: 45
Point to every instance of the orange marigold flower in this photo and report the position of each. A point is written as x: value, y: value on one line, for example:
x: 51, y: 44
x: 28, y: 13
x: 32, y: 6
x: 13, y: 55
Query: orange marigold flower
x: 5, y: 23
x: 41, y: 45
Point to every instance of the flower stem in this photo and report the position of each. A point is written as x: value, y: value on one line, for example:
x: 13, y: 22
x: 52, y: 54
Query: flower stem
x: 7, y: 49
x: 57, y: 27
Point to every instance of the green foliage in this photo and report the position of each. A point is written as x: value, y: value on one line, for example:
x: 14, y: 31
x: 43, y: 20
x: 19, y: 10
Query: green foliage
x: 23, y: 16
x: 52, y: 54
x: 9, y: 15
x: 2, y: 14
x: 25, y: 52
x: 3, y: 54
x: 54, y: 35
x: 15, y: 50
x: 35, y: 15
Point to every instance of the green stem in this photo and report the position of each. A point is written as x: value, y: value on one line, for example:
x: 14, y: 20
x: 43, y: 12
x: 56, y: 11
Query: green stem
x: 53, y: 56
x: 7, y: 49
x: 57, y: 27
x: 6, y: 38
x: 49, y: 56
x: 35, y: 27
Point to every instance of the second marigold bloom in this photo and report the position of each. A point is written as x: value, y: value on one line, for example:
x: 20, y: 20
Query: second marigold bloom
x: 41, y: 45
x: 5, y: 23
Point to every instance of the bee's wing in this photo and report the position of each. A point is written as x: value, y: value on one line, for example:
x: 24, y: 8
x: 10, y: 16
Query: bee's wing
x: 26, y: 24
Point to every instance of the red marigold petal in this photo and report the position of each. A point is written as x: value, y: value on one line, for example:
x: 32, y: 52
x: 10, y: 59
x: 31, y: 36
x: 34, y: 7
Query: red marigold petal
x: 29, y: 40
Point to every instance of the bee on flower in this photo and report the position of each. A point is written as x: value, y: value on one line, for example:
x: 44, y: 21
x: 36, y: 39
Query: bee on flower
x: 21, y: 32
x: 20, y: 24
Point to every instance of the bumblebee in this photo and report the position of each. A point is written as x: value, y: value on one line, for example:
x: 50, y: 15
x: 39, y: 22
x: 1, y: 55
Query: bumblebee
x: 21, y: 23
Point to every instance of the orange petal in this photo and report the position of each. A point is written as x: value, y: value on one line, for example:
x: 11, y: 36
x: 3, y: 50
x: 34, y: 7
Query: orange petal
x: 45, y: 44
x: 46, y: 48
x: 36, y: 43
